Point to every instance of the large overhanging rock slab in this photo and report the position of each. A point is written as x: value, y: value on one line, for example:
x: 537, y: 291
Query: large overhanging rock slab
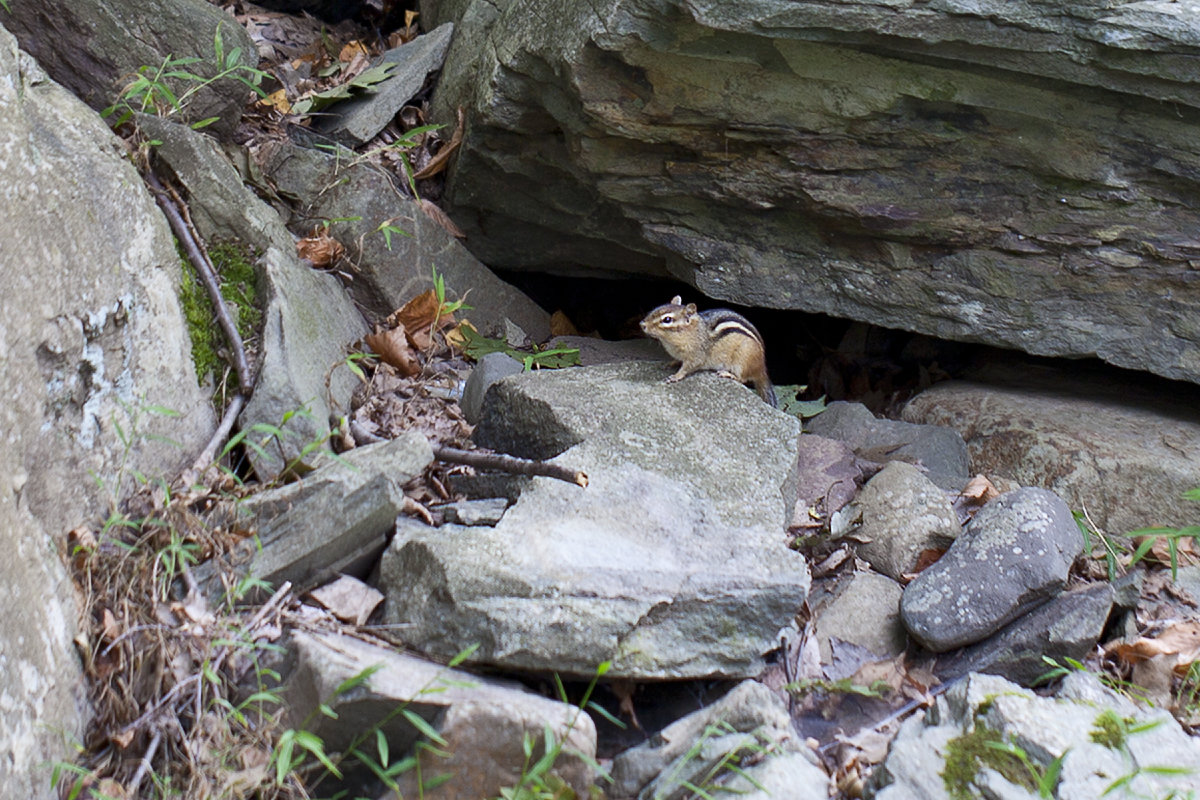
x: 1017, y: 174
x: 672, y: 563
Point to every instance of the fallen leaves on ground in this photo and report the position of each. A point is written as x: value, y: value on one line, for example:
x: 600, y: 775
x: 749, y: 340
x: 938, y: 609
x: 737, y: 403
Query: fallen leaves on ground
x: 320, y: 248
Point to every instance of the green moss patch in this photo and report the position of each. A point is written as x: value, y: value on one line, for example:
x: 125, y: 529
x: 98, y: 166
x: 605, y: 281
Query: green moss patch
x: 234, y: 263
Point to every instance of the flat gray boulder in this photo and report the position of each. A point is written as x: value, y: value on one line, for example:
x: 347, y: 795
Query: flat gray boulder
x: 483, y: 721
x: 672, y: 563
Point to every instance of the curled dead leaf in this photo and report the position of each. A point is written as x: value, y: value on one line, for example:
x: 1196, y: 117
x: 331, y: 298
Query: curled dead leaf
x: 391, y: 345
x: 561, y: 325
x: 441, y: 218
x: 320, y: 248
x: 442, y: 158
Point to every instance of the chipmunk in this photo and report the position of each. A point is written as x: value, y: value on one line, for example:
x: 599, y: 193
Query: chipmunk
x: 717, y: 339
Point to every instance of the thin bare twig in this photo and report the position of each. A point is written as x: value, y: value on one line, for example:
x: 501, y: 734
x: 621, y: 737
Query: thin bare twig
x: 209, y: 454
x: 208, y: 277
x: 144, y: 766
x: 505, y: 463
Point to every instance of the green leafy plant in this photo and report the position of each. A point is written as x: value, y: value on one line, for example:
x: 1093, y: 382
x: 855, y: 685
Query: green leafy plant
x: 1069, y: 665
x: 388, y: 230
x: 537, y: 782
x: 790, y: 402
x: 1115, y: 550
x: 365, y: 81
x: 154, y: 90
x: 691, y: 773
x: 1044, y: 780
x: 479, y: 346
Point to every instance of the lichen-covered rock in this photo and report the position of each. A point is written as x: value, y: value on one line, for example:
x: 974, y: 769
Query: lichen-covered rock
x: 1013, y: 556
x: 903, y: 514
x: 95, y: 47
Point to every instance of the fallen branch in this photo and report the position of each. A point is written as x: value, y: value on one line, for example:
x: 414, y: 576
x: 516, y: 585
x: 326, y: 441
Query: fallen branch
x: 190, y: 241
x: 208, y: 276
x: 144, y: 766
x: 504, y: 463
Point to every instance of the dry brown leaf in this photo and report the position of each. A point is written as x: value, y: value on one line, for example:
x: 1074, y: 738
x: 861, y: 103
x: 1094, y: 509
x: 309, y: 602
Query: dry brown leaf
x: 392, y: 346
x: 1180, y: 641
x: 122, y: 739
x: 624, y: 689
x: 349, y: 599
x: 110, y: 630
x: 407, y: 33
x: 890, y: 671
x: 979, y: 489
x: 320, y: 248
x: 418, y: 315
x: 441, y: 218
x: 278, y: 101
x: 1160, y: 552
x: 352, y: 50
x: 561, y: 325
x: 927, y: 558
x: 442, y: 157
x: 455, y: 336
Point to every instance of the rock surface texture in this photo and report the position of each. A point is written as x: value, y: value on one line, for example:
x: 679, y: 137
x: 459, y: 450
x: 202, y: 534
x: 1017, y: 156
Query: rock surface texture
x: 1123, y: 453
x: 672, y: 563
x: 1012, y: 557
x: 939, y: 750
x: 1018, y: 174
x: 482, y: 721
x: 95, y: 47
x: 91, y: 333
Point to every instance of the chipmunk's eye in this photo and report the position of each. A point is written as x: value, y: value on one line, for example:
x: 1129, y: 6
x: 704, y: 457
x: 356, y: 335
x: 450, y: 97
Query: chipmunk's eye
x: 667, y: 319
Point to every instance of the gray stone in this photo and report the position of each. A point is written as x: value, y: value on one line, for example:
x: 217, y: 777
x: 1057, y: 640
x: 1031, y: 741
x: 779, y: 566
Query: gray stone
x: 91, y: 338
x: 363, y: 197
x: 482, y: 720
x: 95, y: 47
x: 1045, y: 728
x: 1121, y: 450
x: 748, y: 708
x: 777, y: 154
x: 672, y: 563
x: 602, y: 351
x: 790, y: 774
x: 861, y: 608
x: 1012, y: 556
x: 333, y: 520
x: 309, y: 322
x: 1066, y: 627
x: 938, y: 450
x: 903, y: 514
x: 357, y: 120
x: 488, y: 370
x: 476, y: 512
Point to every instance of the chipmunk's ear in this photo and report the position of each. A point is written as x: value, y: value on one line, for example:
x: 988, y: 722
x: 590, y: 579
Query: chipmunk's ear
x: 690, y: 309
x: 676, y: 300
